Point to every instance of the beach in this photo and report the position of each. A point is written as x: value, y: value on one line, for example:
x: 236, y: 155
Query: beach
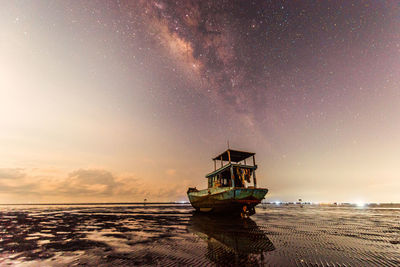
x: 173, y: 235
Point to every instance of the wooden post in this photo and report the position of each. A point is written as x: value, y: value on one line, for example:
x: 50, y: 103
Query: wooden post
x: 232, y: 177
x: 229, y: 156
x: 222, y: 163
x: 215, y: 165
x: 254, y: 172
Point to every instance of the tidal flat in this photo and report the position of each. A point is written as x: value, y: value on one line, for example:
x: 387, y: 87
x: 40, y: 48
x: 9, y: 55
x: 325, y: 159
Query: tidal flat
x: 173, y: 235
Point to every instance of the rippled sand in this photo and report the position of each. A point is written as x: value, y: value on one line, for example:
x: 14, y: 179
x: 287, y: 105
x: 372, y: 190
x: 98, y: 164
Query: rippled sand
x: 174, y: 236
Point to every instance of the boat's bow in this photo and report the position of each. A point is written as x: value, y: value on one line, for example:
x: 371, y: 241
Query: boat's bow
x: 250, y: 195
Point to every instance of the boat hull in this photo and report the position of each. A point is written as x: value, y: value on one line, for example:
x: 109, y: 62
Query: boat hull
x: 227, y: 199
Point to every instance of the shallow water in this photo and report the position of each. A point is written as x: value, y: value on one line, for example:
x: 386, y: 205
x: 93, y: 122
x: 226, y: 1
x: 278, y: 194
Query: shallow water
x: 172, y: 235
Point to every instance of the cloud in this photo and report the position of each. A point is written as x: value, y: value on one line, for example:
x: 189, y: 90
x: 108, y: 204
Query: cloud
x: 14, y: 181
x: 11, y: 173
x: 24, y: 189
x: 88, y: 183
x: 82, y: 185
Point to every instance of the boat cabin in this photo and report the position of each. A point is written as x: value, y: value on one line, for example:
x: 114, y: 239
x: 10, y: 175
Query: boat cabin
x: 234, y: 170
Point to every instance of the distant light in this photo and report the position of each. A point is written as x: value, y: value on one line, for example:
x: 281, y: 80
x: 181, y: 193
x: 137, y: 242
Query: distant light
x: 360, y: 204
x: 277, y: 202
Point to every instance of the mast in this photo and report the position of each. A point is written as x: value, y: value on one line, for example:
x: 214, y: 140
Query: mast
x: 231, y: 167
x: 254, y: 172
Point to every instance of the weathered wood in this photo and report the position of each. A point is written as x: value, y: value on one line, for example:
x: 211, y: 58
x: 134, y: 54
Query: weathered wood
x: 232, y: 177
x: 229, y: 156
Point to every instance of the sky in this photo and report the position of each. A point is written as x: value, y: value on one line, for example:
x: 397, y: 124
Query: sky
x: 118, y: 101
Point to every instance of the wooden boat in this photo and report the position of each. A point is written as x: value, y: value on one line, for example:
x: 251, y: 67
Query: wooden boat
x: 229, y: 189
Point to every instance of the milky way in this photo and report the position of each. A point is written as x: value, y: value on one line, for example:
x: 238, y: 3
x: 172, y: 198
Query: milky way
x: 255, y: 53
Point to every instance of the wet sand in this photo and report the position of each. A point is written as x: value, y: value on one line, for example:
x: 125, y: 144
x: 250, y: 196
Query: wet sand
x: 172, y: 235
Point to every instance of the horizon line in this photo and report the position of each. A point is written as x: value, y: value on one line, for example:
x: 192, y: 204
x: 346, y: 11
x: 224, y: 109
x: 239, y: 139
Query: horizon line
x: 184, y: 202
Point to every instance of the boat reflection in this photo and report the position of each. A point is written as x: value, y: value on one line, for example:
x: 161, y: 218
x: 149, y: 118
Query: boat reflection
x: 231, y: 241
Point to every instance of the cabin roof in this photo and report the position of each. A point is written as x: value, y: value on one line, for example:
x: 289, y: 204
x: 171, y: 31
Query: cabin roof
x: 227, y: 166
x: 236, y: 155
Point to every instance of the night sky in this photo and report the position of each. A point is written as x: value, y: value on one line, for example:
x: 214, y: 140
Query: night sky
x: 126, y: 100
